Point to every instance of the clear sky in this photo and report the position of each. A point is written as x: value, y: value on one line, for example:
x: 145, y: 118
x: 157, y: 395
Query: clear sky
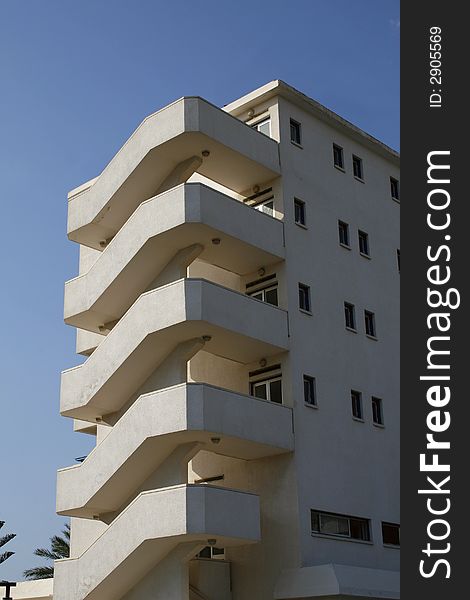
x: 76, y: 78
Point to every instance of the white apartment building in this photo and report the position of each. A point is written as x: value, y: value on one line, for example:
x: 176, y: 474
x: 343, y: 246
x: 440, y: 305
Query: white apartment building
x: 238, y: 305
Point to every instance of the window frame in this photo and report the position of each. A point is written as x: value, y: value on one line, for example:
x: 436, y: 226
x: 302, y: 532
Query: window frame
x: 301, y: 204
x: 369, y: 320
x: 304, y: 288
x: 263, y: 290
x: 363, y: 237
x: 258, y: 206
x: 267, y: 381
x: 311, y: 381
x: 262, y: 122
x: 357, y: 395
x: 395, y: 525
x: 395, y: 183
x: 346, y: 229
x: 338, y: 150
x: 357, y: 160
x: 376, y: 401
x: 295, y: 126
x: 363, y: 522
x: 350, y: 316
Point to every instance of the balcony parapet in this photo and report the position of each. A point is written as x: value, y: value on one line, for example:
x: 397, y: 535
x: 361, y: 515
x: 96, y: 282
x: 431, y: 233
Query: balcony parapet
x: 160, y: 227
x: 240, y: 328
x: 239, y: 158
x: 154, y: 426
x: 153, y: 525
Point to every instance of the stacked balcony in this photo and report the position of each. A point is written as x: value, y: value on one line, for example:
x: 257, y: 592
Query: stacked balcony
x: 147, y: 226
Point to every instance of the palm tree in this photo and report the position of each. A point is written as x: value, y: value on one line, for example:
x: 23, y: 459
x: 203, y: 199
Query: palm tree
x: 60, y: 548
x: 4, y: 540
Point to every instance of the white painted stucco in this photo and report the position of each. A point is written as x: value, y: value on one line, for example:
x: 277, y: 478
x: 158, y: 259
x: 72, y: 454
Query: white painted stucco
x: 170, y: 248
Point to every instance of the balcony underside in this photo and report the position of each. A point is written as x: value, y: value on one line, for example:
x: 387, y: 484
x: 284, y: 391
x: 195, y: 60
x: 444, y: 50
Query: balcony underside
x: 240, y: 157
x: 154, y: 426
x: 159, y: 228
x: 148, y: 529
x: 241, y: 328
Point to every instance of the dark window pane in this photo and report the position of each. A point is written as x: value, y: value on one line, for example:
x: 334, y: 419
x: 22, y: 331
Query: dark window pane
x: 276, y: 391
x: 271, y: 297
x: 391, y: 534
x: 260, y: 391
x: 359, y: 529
x: 309, y: 390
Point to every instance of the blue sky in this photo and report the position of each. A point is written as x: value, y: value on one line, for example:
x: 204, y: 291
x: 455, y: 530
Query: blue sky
x: 76, y: 79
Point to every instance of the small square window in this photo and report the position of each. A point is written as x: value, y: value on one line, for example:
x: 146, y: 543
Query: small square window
x: 356, y: 404
x: 377, y: 411
x: 357, y: 167
x: 309, y: 390
x: 299, y: 210
x: 343, y: 232
x: 338, y: 156
x: 304, y: 297
x: 398, y: 259
x: 391, y: 534
x: 363, y: 243
x: 349, y: 316
x: 369, y: 320
x: 395, y: 188
x: 295, y: 132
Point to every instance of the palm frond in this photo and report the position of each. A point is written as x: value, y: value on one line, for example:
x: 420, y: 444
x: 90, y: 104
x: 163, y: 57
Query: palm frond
x: 6, y: 538
x: 39, y: 573
x: 60, y: 548
x: 45, y: 553
x: 5, y: 555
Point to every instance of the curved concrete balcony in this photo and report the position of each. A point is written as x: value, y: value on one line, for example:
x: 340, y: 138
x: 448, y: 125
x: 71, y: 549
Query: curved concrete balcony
x: 160, y: 227
x: 154, y: 426
x: 241, y: 329
x: 148, y: 529
x: 239, y: 158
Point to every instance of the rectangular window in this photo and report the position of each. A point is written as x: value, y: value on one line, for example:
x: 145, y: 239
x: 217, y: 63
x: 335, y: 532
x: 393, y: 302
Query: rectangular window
x: 267, y: 294
x: 266, y: 206
x: 391, y: 534
x: 309, y: 390
x: 398, y: 259
x: 349, y: 316
x: 356, y: 404
x: 304, y: 297
x: 212, y: 552
x: 357, y: 167
x: 363, y: 243
x: 394, y: 188
x: 343, y: 232
x: 369, y: 320
x: 338, y: 157
x: 299, y: 211
x: 268, y: 389
x: 377, y: 412
x: 344, y: 526
x: 263, y: 126
x: 295, y: 132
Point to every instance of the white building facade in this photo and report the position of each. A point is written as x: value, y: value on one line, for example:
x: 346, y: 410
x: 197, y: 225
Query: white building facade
x: 238, y: 305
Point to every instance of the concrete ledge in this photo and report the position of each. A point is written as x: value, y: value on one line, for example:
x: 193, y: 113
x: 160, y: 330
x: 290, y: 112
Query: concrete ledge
x: 153, y: 525
x: 338, y: 581
x: 239, y: 158
x: 241, y: 329
x: 160, y: 227
x: 154, y: 426
x: 32, y: 590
